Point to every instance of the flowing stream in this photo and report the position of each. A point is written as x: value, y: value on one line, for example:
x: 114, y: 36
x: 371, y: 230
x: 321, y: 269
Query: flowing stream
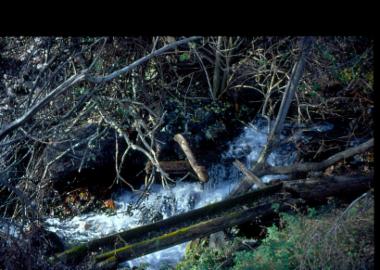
x: 184, y: 196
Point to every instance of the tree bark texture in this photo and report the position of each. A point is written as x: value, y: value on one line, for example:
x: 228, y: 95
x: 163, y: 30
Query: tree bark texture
x: 212, y: 218
x: 198, y: 169
x: 109, y: 260
x: 77, y: 253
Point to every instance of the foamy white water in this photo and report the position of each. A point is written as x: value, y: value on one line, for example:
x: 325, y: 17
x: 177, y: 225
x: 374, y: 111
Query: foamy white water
x: 184, y: 196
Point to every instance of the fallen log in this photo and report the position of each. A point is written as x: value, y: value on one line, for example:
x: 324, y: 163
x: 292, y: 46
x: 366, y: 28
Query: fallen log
x: 309, y: 189
x: 211, y: 219
x: 198, y: 169
x: 109, y: 260
x: 247, y: 182
x: 318, y: 189
x: 77, y: 253
x: 174, y: 167
x: 316, y: 166
x: 250, y: 179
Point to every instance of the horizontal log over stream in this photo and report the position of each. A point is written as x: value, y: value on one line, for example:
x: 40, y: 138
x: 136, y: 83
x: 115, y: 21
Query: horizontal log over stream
x: 209, y: 219
x: 174, y: 167
x: 314, y: 189
x: 77, y: 253
x: 109, y: 260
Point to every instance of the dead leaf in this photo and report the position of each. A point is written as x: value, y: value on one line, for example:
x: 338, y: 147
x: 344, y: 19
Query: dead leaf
x: 110, y: 204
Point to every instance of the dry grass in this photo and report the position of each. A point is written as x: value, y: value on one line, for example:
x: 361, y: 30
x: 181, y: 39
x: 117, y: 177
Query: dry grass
x: 342, y: 239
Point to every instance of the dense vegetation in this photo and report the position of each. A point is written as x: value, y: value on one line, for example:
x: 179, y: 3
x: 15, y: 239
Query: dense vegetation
x: 76, y: 127
x: 327, y: 238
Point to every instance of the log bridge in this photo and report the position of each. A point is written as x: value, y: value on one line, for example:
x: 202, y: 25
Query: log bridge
x: 109, y: 251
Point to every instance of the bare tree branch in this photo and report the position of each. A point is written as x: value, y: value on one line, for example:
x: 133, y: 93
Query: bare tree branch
x: 316, y: 166
x: 273, y: 138
x: 80, y: 77
x: 250, y: 176
x: 34, y: 109
x: 126, y: 69
x: 296, y: 75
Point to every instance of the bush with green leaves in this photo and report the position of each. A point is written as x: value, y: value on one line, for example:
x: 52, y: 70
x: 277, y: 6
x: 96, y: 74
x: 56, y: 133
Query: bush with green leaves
x: 324, y: 238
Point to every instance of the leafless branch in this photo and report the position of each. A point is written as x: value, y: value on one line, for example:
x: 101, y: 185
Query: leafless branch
x: 316, y: 166
x: 102, y: 79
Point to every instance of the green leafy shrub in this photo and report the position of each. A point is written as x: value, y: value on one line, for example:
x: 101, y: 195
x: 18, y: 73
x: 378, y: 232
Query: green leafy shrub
x: 202, y: 259
x: 334, y: 239
x: 276, y: 251
x: 325, y: 238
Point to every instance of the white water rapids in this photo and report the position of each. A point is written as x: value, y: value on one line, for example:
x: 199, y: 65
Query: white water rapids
x: 184, y: 196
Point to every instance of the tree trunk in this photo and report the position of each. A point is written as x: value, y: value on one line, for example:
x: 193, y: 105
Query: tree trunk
x: 318, y: 189
x: 273, y: 138
x: 251, y: 179
x: 316, y: 166
x: 109, y: 260
x: 309, y: 190
x: 295, y: 77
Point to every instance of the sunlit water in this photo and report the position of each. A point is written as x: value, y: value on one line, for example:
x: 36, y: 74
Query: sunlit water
x: 184, y: 196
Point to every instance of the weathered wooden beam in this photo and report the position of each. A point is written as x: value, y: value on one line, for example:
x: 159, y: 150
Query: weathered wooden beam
x: 174, y: 167
x: 198, y: 169
x: 251, y: 179
x: 109, y: 260
x: 77, y: 253
x: 309, y: 189
x: 316, y: 166
x: 312, y: 189
x: 319, y: 188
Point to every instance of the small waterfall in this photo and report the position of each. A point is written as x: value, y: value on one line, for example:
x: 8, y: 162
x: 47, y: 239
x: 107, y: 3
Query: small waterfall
x: 184, y: 196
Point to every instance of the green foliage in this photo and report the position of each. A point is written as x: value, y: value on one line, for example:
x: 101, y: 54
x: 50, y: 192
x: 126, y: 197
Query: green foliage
x: 369, y: 78
x: 151, y: 71
x: 327, y: 55
x: 263, y: 62
x: 302, y: 86
x: 78, y: 91
x: 213, y: 130
x: 184, y: 57
x: 121, y: 112
x: 321, y: 239
x: 276, y: 252
x: 316, y: 86
x: 312, y: 213
x: 347, y: 75
x: 276, y: 207
x: 202, y: 259
x: 99, y: 65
